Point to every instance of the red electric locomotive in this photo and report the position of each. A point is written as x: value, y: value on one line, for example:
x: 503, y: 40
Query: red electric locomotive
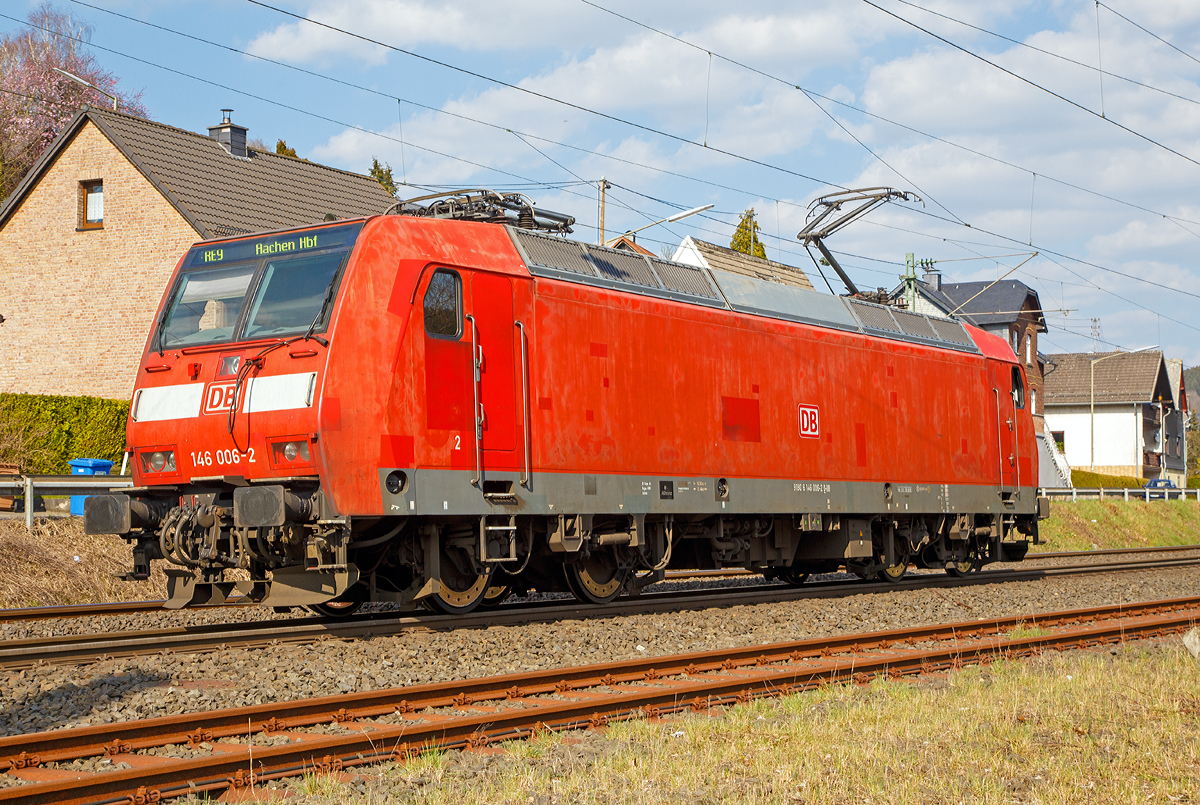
x: 413, y: 408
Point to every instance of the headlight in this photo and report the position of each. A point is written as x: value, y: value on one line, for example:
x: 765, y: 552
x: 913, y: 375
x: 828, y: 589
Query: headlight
x: 159, y: 461
x: 291, y: 452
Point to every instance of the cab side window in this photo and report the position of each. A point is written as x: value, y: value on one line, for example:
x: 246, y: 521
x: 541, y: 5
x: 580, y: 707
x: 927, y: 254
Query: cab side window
x: 1018, y: 388
x: 443, y: 304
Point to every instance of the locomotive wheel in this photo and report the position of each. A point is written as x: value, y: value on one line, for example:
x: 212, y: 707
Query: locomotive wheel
x: 597, y: 579
x: 461, y: 588
x: 336, y: 609
x: 895, y: 573
x: 793, y: 577
x: 495, y: 595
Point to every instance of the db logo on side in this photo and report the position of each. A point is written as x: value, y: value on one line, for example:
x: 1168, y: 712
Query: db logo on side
x: 810, y: 422
x: 218, y: 397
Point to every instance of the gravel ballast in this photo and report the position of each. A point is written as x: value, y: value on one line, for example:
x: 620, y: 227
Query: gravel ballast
x: 118, y: 690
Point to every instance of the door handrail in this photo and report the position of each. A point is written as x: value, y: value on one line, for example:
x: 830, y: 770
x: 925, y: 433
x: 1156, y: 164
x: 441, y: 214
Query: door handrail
x: 999, y: 442
x: 476, y: 362
x: 527, y: 476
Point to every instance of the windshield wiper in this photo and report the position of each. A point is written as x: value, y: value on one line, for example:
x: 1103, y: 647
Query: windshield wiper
x: 160, y: 325
x: 324, y: 305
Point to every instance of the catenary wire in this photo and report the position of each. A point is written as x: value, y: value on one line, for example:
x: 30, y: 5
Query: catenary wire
x: 1053, y: 54
x: 1147, y: 32
x: 1030, y: 82
x: 279, y: 104
x: 436, y: 110
x: 814, y: 94
x: 810, y: 93
x: 534, y: 93
x: 485, y: 167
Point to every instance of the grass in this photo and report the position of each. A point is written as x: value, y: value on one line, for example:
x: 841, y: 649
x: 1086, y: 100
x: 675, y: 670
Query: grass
x: 56, y: 563
x: 1081, y: 727
x: 1090, y: 524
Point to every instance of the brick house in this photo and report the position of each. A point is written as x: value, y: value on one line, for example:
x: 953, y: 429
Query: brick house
x: 1117, y: 413
x: 90, y: 237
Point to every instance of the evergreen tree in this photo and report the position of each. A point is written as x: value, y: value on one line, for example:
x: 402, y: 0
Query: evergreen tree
x: 745, y: 239
x: 383, y: 175
x: 281, y: 148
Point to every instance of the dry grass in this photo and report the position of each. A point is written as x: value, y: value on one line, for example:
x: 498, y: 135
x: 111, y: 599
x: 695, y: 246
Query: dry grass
x: 1076, y: 728
x: 1089, y: 524
x: 57, y: 563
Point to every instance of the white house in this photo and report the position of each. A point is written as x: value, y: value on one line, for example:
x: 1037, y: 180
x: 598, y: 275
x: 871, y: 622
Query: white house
x: 1116, y: 413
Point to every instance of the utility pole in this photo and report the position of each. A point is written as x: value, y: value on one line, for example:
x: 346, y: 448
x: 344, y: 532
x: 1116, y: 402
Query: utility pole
x: 910, y: 281
x: 1095, y: 333
x: 604, y: 185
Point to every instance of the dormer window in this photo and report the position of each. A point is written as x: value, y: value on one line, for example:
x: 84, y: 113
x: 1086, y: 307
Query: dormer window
x: 91, y: 204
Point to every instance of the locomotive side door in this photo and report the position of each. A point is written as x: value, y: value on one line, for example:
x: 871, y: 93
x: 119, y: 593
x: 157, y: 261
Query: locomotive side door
x: 491, y: 312
x: 1009, y: 392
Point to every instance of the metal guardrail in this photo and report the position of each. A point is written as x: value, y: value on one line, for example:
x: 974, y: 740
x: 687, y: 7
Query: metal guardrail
x: 31, y: 486
x: 1124, y: 493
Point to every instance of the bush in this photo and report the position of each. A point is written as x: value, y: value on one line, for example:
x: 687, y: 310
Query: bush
x: 1092, y: 480
x: 40, y: 433
x: 1194, y: 482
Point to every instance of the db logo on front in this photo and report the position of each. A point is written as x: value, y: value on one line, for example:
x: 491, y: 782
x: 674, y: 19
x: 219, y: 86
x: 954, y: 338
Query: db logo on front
x: 218, y: 397
x: 810, y: 421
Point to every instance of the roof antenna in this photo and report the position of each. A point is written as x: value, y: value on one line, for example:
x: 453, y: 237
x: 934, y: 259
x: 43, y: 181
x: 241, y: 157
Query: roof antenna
x: 824, y: 223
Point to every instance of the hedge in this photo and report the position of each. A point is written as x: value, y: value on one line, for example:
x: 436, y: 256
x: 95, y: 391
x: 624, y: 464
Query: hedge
x: 41, y: 433
x: 1093, y: 480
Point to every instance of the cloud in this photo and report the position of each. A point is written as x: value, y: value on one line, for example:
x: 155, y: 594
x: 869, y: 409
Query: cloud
x: 862, y: 57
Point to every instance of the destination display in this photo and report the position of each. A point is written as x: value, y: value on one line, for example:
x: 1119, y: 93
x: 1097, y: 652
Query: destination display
x: 327, y: 238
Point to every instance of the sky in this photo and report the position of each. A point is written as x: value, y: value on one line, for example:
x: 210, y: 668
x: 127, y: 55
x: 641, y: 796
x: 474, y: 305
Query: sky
x: 1065, y: 128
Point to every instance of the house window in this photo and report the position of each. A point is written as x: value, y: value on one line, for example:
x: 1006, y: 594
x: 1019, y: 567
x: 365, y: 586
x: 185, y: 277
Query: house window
x: 1060, y: 439
x: 91, y: 204
x: 443, y: 305
x: 1033, y: 400
x: 1029, y: 349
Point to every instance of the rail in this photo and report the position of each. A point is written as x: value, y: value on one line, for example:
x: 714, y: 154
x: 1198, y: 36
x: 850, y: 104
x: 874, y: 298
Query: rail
x: 84, y: 647
x: 1125, y: 493
x: 30, y: 487
x: 221, y: 756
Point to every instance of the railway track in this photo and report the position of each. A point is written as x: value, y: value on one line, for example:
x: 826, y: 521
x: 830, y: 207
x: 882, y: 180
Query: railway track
x: 85, y: 648
x: 212, y: 753
x: 17, y: 615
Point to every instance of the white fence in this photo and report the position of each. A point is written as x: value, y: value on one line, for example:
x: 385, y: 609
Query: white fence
x: 1076, y: 493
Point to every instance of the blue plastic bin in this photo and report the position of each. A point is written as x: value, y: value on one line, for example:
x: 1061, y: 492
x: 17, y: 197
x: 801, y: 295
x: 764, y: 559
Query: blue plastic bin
x: 86, y: 466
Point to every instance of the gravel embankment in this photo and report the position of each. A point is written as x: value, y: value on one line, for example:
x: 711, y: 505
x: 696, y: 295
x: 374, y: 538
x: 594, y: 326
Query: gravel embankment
x: 50, y: 698
x: 167, y: 619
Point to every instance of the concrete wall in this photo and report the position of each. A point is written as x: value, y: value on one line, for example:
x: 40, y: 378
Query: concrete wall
x: 79, y: 304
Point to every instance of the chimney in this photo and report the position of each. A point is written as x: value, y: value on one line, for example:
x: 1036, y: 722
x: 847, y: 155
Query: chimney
x: 932, y: 278
x: 229, y: 134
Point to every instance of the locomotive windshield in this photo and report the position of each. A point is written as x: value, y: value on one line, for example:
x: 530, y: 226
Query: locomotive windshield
x: 263, y: 288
